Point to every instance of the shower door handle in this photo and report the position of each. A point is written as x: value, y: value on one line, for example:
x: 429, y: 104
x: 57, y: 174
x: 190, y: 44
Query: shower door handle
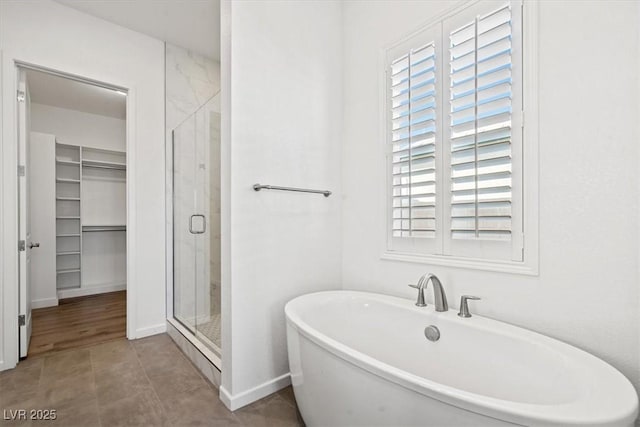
x: 204, y: 224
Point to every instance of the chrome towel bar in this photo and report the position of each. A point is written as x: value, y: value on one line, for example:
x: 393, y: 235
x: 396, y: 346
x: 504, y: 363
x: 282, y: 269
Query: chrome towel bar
x: 259, y: 187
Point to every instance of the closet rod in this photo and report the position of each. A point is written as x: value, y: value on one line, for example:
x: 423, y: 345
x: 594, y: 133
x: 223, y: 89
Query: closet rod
x: 104, y: 167
x: 104, y: 229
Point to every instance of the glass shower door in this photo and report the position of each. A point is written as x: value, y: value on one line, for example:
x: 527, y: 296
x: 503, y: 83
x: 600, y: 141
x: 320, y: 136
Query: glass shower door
x: 196, y: 224
x: 184, y: 240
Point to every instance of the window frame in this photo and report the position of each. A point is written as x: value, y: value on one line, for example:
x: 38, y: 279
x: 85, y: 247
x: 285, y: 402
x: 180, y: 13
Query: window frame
x: 526, y: 180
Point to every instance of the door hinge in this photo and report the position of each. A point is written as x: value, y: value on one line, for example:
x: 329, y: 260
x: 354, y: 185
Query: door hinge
x: 21, y: 245
x: 20, y: 170
x: 22, y: 320
x: 21, y: 96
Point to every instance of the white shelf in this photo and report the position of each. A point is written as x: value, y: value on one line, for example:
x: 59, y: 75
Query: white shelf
x: 68, y: 235
x: 68, y: 180
x: 89, y: 152
x: 65, y: 145
x: 68, y: 253
x: 67, y: 162
x: 68, y: 199
x: 67, y: 217
x: 68, y: 270
x: 104, y: 159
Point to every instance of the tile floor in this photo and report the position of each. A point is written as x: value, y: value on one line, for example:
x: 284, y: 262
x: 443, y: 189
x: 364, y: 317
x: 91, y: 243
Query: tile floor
x: 146, y: 382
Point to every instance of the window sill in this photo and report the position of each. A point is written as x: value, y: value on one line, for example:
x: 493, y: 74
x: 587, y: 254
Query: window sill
x: 469, y: 263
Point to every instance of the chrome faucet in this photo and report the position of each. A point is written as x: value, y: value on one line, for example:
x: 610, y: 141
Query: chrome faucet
x: 439, y: 296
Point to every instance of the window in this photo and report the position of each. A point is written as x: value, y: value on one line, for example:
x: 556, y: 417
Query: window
x: 455, y: 137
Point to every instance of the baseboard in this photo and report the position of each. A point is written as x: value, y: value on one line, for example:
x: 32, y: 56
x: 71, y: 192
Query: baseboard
x: 151, y: 330
x: 90, y: 290
x: 44, y: 302
x: 233, y: 402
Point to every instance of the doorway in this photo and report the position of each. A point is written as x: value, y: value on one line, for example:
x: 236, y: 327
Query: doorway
x: 72, y: 140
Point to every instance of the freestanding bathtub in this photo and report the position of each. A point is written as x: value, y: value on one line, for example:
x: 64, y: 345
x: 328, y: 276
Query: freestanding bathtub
x: 362, y: 359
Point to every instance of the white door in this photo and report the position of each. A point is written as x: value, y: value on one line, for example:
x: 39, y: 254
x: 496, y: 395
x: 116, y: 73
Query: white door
x: 25, y: 245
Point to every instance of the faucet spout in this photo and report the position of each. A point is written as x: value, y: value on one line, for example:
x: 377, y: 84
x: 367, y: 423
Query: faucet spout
x: 439, y: 297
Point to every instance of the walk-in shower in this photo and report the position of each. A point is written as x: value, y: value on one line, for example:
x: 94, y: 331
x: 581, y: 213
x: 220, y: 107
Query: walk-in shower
x: 195, y: 174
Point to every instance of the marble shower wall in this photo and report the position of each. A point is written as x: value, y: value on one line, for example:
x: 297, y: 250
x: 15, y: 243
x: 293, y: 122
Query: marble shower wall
x: 191, y: 81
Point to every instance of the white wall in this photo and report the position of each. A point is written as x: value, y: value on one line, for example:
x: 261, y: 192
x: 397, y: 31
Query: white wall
x: 79, y: 128
x: 587, y: 290
x: 51, y: 35
x: 284, y: 99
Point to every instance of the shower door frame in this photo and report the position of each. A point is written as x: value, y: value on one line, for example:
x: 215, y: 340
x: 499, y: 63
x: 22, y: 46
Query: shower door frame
x: 214, y: 358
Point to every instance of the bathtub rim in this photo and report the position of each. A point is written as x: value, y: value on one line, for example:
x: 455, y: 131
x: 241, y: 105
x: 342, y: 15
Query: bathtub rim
x: 578, y: 412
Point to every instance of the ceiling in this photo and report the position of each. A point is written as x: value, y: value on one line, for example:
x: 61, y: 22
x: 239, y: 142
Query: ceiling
x: 191, y: 24
x: 57, y: 91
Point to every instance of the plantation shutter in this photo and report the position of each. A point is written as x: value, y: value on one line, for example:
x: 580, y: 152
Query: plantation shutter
x: 484, y: 132
x: 480, y: 63
x: 413, y: 130
x: 454, y: 99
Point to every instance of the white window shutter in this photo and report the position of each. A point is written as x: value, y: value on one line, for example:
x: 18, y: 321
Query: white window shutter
x: 454, y: 95
x: 413, y: 118
x: 483, y: 130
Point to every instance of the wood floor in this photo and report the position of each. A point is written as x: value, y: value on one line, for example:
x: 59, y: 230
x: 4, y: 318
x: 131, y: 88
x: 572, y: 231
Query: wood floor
x: 78, y: 322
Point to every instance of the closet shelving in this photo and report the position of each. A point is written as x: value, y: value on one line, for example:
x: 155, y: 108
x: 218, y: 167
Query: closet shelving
x: 90, y: 198
x: 68, y: 238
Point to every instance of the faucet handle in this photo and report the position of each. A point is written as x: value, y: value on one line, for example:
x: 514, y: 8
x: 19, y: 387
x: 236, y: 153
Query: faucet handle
x: 464, y: 305
x: 420, y: 302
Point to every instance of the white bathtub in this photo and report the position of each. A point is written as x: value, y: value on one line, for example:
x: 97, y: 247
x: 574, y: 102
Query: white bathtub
x: 362, y: 359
